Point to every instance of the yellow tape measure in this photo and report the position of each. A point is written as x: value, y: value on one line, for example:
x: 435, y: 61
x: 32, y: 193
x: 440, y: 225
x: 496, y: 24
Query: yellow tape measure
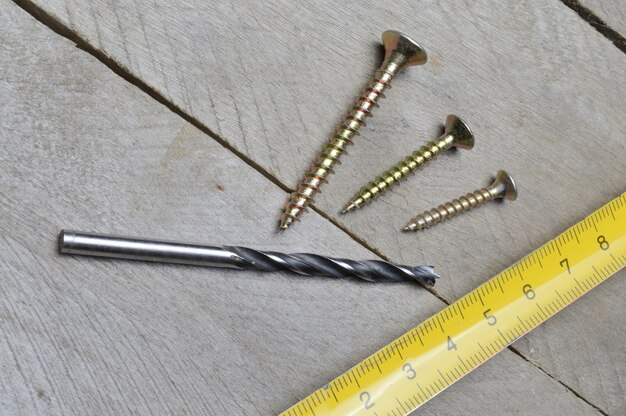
x: 420, y: 364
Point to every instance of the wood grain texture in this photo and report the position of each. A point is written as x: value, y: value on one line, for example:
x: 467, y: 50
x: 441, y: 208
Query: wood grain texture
x: 612, y: 12
x: 542, y: 90
x: 85, y: 150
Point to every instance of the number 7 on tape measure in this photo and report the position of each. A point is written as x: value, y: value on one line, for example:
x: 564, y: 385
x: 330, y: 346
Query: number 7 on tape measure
x: 420, y: 364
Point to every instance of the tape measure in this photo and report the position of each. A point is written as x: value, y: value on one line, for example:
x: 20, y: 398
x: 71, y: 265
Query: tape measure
x: 420, y: 364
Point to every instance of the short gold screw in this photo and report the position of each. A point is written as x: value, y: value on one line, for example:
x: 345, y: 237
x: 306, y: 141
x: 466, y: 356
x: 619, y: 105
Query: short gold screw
x: 456, y: 134
x: 502, y: 187
x: 400, y: 53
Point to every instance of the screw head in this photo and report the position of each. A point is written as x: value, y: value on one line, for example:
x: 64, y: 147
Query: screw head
x: 460, y: 131
x: 402, y: 51
x: 504, y: 185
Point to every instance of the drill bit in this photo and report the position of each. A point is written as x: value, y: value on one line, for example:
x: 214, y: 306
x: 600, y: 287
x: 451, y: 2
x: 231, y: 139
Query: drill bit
x: 243, y: 258
x: 400, y: 53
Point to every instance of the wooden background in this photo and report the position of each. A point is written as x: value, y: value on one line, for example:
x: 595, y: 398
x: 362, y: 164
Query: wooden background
x: 191, y: 120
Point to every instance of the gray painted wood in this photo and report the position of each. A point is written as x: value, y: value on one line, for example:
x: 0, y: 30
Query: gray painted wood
x: 84, y: 149
x: 542, y: 90
x: 592, y: 366
x: 612, y: 12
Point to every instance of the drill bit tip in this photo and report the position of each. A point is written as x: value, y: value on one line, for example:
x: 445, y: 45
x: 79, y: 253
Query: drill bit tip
x: 427, y: 274
x: 243, y: 258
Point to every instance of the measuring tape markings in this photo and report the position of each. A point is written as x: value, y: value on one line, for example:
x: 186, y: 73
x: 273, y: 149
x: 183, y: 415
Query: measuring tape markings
x: 420, y: 364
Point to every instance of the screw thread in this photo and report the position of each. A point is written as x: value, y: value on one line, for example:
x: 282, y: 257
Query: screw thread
x: 450, y: 209
x: 332, y: 151
x: 399, y: 172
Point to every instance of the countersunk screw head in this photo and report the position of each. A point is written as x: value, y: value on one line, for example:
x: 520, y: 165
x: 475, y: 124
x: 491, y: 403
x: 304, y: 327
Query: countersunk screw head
x: 503, y: 186
x: 402, y: 51
x: 461, y: 133
x: 456, y: 134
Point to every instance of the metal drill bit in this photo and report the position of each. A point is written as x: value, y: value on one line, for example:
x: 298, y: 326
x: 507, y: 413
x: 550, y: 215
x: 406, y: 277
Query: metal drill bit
x: 503, y: 187
x: 400, y: 53
x: 457, y: 134
x: 102, y: 245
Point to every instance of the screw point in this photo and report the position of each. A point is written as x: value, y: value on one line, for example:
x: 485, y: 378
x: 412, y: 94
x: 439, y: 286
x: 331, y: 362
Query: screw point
x: 457, y: 134
x: 285, y: 223
x: 409, y: 227
x: 349, y: 207
x: 503, y: 186
x: 400, y: 53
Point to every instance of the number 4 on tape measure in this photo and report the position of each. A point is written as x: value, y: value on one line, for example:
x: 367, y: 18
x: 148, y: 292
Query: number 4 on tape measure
x: 467, y: 333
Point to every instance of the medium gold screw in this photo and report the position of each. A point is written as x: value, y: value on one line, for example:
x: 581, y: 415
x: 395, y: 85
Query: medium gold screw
x: 400, y: 53
x: 503, y: 186
x: 456, y: 134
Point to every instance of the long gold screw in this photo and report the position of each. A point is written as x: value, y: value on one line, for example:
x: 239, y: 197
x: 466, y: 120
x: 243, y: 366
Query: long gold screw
x: 456, y: 134
x: 400, y: 53
x: 503, y: 186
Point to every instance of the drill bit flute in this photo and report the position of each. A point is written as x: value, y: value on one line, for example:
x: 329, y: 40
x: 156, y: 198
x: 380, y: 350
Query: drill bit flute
x: 102, y: 245
x: 400, y: 53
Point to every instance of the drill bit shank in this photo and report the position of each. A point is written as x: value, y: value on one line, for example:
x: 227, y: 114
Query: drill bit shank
x: 243, y: 258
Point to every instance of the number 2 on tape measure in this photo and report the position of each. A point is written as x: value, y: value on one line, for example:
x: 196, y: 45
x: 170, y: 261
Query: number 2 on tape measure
x: 420, y: 364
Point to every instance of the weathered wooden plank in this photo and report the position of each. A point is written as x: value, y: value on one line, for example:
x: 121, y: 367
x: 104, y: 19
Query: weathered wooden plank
x: 82, y: 148
x: 591, y: 365
x: 612, y: 12
x: 541, y: 89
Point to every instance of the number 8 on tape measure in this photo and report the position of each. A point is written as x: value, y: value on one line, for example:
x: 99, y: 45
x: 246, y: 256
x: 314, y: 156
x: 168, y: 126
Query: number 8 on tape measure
x: 420, y: 364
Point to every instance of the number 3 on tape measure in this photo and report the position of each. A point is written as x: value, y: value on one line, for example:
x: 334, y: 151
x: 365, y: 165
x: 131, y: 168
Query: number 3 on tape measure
x: 480, y: 324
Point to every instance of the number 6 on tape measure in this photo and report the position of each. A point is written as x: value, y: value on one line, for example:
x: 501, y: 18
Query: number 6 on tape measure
x: 467, y: 333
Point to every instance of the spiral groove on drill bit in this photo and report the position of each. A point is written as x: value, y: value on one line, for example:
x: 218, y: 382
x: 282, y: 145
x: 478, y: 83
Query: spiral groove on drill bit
x: 396, y: 174
x: 332, y: 151
x: 243, y: 258
x: 400, y: 52
x: 316, y: 265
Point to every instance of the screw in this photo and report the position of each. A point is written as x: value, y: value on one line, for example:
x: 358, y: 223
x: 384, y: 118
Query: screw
x: 400, y: 53
x: 503, y: 186
x: 456, y: 134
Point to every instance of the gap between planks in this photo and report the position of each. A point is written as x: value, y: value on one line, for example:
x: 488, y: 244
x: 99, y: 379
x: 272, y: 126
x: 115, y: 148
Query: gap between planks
x: 61, y: 29
x: 568, y: 388
x: 58, y: 27
x: 598, y: 24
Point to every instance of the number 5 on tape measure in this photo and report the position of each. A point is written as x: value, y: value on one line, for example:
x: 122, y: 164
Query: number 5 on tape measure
x: 420, y: 364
